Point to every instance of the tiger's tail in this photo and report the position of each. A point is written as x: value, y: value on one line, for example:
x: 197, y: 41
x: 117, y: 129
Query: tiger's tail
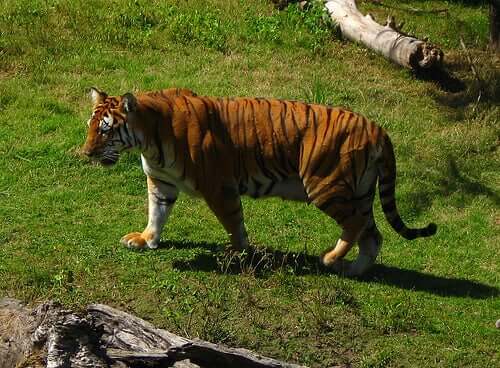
x: 387, y: 187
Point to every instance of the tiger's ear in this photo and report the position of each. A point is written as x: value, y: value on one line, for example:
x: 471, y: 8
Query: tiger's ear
x: 97, y: 96
x: 129, y: 103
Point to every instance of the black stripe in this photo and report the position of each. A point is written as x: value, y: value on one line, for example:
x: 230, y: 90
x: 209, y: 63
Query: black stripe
x: 257, y: 185
x: 258, y: 152
x: 237, y: 122
x: 294, y: 120
x: 327, y: 130
x: 367, y: 212
x: 354, y: 172
x: 169, y: 201
x: 161, y: 157
x: 183, y: 176
x: 211, y: 129
x: 388, y: 192
x: 398, y: 225
x: 174, y: 161
x: 165, y: 182
x: 307, y: 114
x: 342, y: 217
x: 191, y: 107
x: 284, y: 128
x: 227, y: 122
x: 125, y: 130
x: 120, y: 137
x: 384, y: 180
x: 269, y: 188
x: 365, y: 196
x: 389, y: 207
x: 330, y: 202
x: 234, y: 212
x: 315, y: 137
x: 410, y: 234
x: 163, y: 200
x: 242, y: 188
x: 370, y: 229
x: 366, y: 158
x: 274, y: 144
x: 243, y: 144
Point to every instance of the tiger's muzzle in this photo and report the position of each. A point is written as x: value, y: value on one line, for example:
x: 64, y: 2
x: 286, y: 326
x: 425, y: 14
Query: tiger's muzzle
x: 101, y: 156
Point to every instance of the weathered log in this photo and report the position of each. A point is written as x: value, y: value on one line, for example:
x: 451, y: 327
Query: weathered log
x: 15, y: 326
x: 100, y: 337
x: 387, y: 40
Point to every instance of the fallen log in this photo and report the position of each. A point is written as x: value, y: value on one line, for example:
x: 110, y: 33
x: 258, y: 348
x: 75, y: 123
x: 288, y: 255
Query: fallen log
x: 104, y: 337
x: 387, y: 39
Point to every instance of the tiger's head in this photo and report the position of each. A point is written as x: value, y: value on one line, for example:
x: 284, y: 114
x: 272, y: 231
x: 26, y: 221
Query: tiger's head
x: 107, y: 133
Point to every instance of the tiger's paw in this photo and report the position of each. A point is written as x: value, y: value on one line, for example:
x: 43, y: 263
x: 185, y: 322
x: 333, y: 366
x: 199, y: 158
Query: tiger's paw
x: 339, y: 266
x: 138, y: 241
x: 342, y: 267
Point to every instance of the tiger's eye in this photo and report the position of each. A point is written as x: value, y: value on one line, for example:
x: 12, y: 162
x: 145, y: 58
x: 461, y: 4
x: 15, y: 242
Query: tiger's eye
x: 105, y: 124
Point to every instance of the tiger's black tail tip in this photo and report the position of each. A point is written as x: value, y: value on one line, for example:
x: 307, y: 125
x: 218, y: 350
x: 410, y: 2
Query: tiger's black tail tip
x: 431, y: 229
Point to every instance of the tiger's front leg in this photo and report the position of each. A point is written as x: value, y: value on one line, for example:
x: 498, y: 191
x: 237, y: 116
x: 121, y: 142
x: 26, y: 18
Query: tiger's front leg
x: 226, y: 204
x: 161, y: 199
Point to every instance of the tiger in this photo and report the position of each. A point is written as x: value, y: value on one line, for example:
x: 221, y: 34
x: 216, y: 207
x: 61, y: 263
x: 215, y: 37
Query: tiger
x: 220, y: 148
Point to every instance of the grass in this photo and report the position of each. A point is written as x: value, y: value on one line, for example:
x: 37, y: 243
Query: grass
x: 429, y: 302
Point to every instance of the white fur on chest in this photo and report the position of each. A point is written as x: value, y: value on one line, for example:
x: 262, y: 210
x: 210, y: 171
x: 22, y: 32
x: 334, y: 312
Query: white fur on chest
x: 169, y: 175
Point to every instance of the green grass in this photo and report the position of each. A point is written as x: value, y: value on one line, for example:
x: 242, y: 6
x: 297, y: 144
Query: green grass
x: 431, y: 302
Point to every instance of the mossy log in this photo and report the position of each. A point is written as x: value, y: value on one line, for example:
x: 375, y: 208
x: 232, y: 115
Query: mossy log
x: 102, y: 337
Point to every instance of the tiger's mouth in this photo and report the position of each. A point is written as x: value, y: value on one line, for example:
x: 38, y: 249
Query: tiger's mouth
x: 109, y: 158
x: 108, y: 161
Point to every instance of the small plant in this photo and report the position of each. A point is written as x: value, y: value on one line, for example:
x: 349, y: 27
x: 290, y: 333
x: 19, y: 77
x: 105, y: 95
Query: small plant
x: 318, y: 25
x: 264, y: 28
x: 318, y: 93
x: 200, y: 27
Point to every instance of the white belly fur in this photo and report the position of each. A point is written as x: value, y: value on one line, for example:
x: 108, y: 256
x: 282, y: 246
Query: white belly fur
x: 291, y: 189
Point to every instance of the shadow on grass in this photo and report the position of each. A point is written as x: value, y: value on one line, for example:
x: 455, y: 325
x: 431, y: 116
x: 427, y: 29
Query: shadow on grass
x: 452, y: 181
x: 481, y: 87
x: 263, y: 261
x: 443, y: 79
x: 438, y: 285
x: 470, y: 186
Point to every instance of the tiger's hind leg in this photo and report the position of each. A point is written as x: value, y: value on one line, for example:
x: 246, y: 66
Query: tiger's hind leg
x: 370, y: 243
x: 346, y: 195
x: 352, y: 228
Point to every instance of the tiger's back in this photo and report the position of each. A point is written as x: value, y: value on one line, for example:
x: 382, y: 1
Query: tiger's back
x: 221, y: 148
x: 268, y: 142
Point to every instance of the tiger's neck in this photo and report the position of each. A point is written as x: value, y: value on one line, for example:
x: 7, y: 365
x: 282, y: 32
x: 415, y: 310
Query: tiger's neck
x: 148, y: 126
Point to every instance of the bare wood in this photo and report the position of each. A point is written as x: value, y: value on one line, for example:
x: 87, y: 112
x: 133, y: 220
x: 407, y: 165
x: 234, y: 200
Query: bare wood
x: 387, y: 40
x: 15, y: 325
x: 132, y: 339
x: 103, y: 337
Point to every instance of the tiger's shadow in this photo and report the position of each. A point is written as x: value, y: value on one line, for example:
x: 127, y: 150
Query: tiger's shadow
x: 261, y: 262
